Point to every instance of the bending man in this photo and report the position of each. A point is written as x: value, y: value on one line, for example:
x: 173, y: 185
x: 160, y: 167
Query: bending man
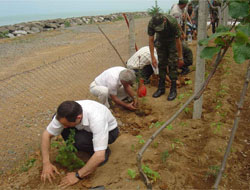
x: 115, y: 83
x: 95, y: 127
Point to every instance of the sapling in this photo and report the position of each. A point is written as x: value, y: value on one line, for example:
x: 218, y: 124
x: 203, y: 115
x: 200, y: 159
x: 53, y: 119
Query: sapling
x: 66, y: 153
x: 164, y: 156
x: 153, y: 175
x: 132, y: 173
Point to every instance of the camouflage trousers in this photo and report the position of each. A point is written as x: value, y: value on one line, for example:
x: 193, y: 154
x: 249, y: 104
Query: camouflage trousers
x: 167, y: 57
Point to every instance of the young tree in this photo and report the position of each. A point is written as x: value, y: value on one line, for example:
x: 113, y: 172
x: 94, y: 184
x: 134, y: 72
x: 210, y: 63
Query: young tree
x: 155, y: 9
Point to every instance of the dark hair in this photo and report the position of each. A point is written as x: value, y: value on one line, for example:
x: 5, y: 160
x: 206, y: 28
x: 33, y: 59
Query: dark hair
x: 69, y: 110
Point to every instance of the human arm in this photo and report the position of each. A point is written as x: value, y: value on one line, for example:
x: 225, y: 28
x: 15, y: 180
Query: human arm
x: 151, y: 49
x: 96, y: 159
x: 48, y: 168
x: 129, y: 91
x: 179, y: 51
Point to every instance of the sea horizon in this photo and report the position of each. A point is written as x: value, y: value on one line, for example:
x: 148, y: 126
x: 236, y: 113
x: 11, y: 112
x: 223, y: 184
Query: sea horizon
x: 18, y: 11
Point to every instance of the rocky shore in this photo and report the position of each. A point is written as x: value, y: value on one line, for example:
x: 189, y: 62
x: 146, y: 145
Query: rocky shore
x: 20, y: 29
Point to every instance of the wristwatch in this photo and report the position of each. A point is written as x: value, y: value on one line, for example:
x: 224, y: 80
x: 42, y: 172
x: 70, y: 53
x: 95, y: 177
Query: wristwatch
x: 78, y: 176
x: 180, y: 58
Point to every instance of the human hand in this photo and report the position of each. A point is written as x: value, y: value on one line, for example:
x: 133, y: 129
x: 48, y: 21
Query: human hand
x: 68, y: 180
x: 131, y: 106
x: 154, y: 62
x: 48, y: 172
x: 180, y: 63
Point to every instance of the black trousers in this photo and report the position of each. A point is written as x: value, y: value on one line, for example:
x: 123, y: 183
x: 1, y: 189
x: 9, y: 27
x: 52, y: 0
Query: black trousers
x: 83, y: 139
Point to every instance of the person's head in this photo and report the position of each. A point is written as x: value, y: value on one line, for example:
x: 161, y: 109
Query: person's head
x: 127, y: 76
x: 158, y: 22
x: 182, y: 3
x: 69, y: 113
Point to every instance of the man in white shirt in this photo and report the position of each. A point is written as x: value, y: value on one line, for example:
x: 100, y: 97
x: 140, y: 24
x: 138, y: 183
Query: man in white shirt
x: 95, y: 127
x: 141, y: 60
x: 116, y: 83
x: 177, y: 11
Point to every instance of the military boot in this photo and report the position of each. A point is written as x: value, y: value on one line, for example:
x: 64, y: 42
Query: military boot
x: 173, y: 92
x: 161, y: 89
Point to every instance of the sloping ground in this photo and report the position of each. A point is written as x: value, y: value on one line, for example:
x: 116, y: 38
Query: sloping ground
x: 186, y: 154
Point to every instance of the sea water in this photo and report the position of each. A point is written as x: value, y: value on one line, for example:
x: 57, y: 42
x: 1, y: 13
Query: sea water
x: 16, y: 11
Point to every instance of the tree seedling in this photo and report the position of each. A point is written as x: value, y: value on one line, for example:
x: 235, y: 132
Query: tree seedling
x: 153, y: 175
x: 217, y: 127
x: 66, y: 153
x: 164, y: 156
x: 140, y: 139
x: 170, y: 127
x: 29, y: 164
x: 132, y: 173
x: 188, y: 82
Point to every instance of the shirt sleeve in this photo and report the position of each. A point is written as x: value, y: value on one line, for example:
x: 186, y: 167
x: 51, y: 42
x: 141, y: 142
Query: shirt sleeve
x: 100, y: 134
x: 55, y: 127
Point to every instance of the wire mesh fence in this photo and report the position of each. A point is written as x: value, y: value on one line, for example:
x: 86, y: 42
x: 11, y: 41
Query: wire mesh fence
x: 29, y: 99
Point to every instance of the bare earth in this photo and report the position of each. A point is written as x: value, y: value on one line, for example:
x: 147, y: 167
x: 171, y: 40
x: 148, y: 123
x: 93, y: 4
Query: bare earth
x: 194, y: 146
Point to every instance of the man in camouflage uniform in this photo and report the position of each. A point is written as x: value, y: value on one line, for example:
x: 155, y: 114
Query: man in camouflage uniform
x: 187, y: 57
x: 167, y: 45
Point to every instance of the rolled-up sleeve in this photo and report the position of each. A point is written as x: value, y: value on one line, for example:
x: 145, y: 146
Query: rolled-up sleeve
x: 55, y: 127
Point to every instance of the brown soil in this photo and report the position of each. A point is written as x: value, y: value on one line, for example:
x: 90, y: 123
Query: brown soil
x: 194, y: 147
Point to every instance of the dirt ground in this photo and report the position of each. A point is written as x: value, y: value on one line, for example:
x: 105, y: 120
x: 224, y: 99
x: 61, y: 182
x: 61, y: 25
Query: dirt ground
x: 186, y: 154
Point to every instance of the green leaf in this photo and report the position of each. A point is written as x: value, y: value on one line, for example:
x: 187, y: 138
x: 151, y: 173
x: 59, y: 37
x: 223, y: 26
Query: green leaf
x: 222, y: 28
x: 132, y: 173
x: 238, y: 9
x: 215, y: 35
x: 241, y: 52
x: 244, y: 28
x: 241, y: 37
x: 209, y: 52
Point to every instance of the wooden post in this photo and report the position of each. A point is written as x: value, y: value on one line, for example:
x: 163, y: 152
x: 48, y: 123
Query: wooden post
x: 131, y: 34
x: 200, y: 63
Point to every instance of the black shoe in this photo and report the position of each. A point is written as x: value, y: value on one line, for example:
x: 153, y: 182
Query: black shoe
x: 173, y: 92
x: 185, y: 71
x: 172, y: 95
x: 107, y: 154
x: 158, y: 93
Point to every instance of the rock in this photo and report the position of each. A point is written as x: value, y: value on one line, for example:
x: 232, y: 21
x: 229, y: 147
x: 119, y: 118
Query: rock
x: 78, y: 21
x: 20, y: 32
x: 11, y: 28
x: 3, y: 30
x: 10, y: 35
x: 35, y: 29
x: 50, y: 25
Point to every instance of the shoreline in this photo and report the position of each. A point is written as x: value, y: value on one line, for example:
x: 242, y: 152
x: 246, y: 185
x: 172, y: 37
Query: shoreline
x: 32, y: 27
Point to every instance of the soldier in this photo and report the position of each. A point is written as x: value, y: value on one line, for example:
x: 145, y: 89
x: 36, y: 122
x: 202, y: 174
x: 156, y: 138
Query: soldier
x: 168, y: 44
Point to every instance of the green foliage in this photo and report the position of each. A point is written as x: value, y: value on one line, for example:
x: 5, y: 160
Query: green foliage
x: 213, y: 171
x: 216, y: 127
x: 238, y: 9
x: 170, y: 127
x: 156, y: 124
x: 29, y: 164
x: 155, y: 144
x: 119, y: 18
x: 66, y: 153
x: 209, y: 52
x: 132, y: 173
x: 140, y: 139
x: 164, y: 156
x: 188, y: 82
x: 67, y: 24
x: 180, y: 97
x: 155, y: 9
x: 153, y: 175
x: 4, y: 34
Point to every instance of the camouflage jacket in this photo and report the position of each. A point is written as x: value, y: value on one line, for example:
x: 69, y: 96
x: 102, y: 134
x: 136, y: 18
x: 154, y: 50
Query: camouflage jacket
x: 169, y: 34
